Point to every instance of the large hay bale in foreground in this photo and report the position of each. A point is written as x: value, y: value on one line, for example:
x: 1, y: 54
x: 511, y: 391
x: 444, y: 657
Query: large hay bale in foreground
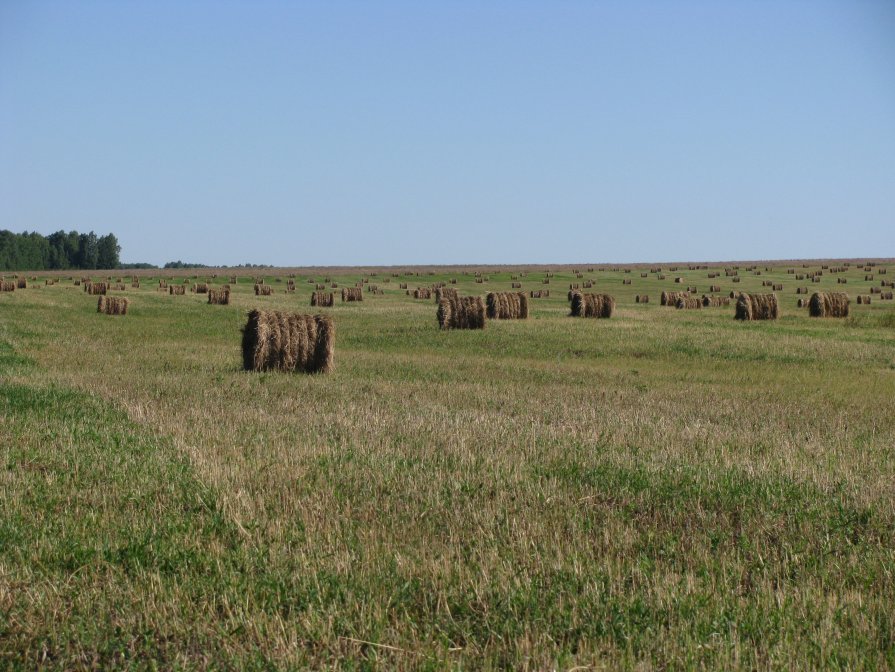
x: 219, y: 297
x: 322, y: 299
x: 592, y: 305
x: 112, y: 305
x: 507, y: 306
x: 828, y: 304
x: 461, y: 312
x: 756, y: 307
x: 276, y: 341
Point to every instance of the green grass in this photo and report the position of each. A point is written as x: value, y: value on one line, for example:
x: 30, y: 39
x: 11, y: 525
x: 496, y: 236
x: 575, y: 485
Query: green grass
x: 666, y: 489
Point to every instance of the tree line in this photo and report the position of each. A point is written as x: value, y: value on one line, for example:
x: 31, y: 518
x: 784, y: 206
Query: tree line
x: 58, y: 251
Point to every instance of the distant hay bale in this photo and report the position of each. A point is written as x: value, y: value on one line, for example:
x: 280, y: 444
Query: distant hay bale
x: 177, y: 290
x: 200, y: 288
x: 592, y: 305
x: 540, y: 293
x: 679, y: 281
x: 322, y: 299
x: 7, y: 285
x: 352, y: 294
x: 756, y: 307
x: 422, y: 293
x: 263, y: 290
x: 219, y: 297
x: 841, y: 281
x: 516, y: 285
x: 714, y: 288
x: 507, y: 306
x: 886, y: 296
x: 715, y: 301
x: 641, y: 298
x: 864, y: 299
x: 829, y: 304
x: 461, y: 312
x: 671, y: 298
x: 801, y: 303
x: 276, y: 341
x: 234, y: 280
x: 688, y: 303
x: 112, y: 305
x: 320, y: 286
x: 21, y: 283
x: 96, y: 288
x: 626, y: 282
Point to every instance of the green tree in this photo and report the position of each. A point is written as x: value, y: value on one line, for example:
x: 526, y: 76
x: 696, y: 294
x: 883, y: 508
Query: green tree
x: 108, y: 250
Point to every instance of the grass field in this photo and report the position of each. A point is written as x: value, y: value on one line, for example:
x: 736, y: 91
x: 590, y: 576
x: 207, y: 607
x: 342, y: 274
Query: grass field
x: 665, y: 489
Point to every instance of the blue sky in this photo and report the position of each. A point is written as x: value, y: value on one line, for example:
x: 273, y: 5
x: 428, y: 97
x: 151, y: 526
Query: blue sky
x: 311, y: 133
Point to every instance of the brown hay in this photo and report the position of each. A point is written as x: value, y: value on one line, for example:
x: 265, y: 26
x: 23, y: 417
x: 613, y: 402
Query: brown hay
x: 176, y: 290
x: 322, y: 299
x: 540, y: 293
x: 96, y: 288
x: 864, y: 299
x: 21, y: 283
x: 688, y: 303
x: 200, y: 288
x: 7, y: 285
x: 715, y: 301
x: 714, y: 288
x: 422, y: 293
x: 671, y: 298
x: 352, y: 294
x: 592, y: 305
x: 461, y: 312
x: 112, y: 305
x: 641, y: 298
x: 756, y: 307
x: 445, y: 293
x: 291, y: 342
x: 507, y: 306
x: 219, y: 297
x: 263, y: 290
x: 829, y: 304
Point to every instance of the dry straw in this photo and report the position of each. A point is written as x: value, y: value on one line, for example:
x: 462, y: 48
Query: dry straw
x: 276, y: 341
x: 445, y: 293
x: 756, y: 307
x: 592, y: 305
x: 7, y: 285
x: 176, y: 290
x: 263, y: 290
x: 829, y: 304
x: 507, y: 306
x: 671, y: 298
x: 641, y: 298
x: 219, y: 297
x: 352, y: 294
x: 422, y: 293
x: 461, y: 312
x: 688, y: 303
x: 112, y: 305
x: 322, y: 299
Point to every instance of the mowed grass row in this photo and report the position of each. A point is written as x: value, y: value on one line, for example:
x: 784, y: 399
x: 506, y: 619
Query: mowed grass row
x: 664, y: 489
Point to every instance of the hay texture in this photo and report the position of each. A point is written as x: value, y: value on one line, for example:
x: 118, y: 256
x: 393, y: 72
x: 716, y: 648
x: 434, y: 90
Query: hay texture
x: 756, y: 307
x: 671, y: 298
x: 219, y: 297
x: 276, y: 341
x: 592, y: 305
x: 445, y: 293
x: 352, y: 294
x: 176, y: 290
x: 461, y: 312
x: 322, y: 299
x: 112, y: 305
x: 507, y: 306
x: 688, y: 303
x: 828, y: 304
x: 641, y: 298
x: 263, y: 290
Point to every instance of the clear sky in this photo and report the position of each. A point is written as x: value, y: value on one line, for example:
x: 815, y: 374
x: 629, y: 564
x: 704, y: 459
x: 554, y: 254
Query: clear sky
x: 328, y: 132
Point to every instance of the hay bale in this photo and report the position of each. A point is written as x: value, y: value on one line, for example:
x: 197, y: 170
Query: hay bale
x: 276, y: 341
x: 200, y: 288
x: 715, y: 301
x: 21, y: 283
x: 112, y: 305
x: 507, y: 306
x: 461, y: 312
x: 592, y: 305
x: 96, y: 288
x: 671, y: 298
x: 352, y: 294
x: 263, y: 290
x: 422, y: 293
x: 219, y: 297
x: 445, y: 293
x: 688, y: 303
x: 641, y: 298
x: 756, y: 307
x: 829, y: 304
x: 177, y: 290
x: 322, y: 299
x: 7, y: 285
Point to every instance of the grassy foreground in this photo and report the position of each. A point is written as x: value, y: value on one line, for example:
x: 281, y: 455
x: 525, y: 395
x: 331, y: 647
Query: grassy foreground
x: 665, y: 489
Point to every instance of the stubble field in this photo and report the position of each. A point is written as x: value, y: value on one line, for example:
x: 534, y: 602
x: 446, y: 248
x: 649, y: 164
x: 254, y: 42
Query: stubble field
x: 663, y: 489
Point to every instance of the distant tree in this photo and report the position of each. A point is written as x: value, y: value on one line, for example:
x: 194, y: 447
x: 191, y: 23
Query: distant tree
x: 108, y: 250
x: 88, y: 251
